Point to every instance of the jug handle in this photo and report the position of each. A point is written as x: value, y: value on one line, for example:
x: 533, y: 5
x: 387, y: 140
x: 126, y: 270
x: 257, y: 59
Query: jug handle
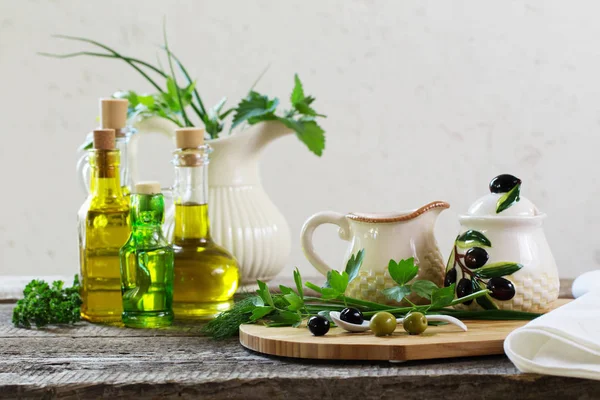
x: 306, y: 237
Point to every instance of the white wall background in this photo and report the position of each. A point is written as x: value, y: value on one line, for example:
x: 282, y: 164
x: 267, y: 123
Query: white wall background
x: 426, y: 100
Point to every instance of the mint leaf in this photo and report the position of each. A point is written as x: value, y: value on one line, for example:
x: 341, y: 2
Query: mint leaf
x: 298, y: 280
x: 442, y: 297
x: 309, y: 132
x: 337, y: 281
x: 403, y: 271
x: 424, y: 288
x: 397, y: 293
x: 254, y: 107
x: 260, y: 312
x: 298, y: 92
x: 353, y: 265
x: 263, y: 292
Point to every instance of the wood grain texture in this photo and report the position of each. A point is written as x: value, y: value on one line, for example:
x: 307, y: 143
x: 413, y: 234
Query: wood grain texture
x: 446, y: 341
x: 91, y: 361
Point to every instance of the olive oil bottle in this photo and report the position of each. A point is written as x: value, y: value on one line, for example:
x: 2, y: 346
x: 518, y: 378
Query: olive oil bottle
x: 103, y: 229
x: 147, y: 262
x: 206, y: 275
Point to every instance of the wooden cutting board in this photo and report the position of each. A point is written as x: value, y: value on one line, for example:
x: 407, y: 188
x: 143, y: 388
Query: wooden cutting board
x: 445, y: 341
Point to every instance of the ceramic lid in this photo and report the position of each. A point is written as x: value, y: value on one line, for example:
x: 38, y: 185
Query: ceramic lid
x: 504, y: 200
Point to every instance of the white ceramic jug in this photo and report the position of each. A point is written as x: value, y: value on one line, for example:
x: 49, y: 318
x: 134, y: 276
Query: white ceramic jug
x: 384, y: 237
x: 243, y: 218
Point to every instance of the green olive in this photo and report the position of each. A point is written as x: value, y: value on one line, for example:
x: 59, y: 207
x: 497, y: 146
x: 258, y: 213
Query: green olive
x: 383, y: 323
x: 415, y: 323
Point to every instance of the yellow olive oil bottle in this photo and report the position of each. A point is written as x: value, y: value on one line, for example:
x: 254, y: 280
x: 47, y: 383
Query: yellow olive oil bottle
x: 103, y: 229
x: 206, y: 275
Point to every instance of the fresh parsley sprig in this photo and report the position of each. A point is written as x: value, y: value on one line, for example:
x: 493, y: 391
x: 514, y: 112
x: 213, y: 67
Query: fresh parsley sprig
x: 301, y: 117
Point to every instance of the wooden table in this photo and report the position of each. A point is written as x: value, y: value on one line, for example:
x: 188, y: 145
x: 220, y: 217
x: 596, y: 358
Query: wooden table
x: 90, y: 361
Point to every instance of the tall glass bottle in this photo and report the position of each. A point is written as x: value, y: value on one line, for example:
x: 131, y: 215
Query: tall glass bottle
x: 147, y: 262
x: 103, y: 229
x: 206, y: 275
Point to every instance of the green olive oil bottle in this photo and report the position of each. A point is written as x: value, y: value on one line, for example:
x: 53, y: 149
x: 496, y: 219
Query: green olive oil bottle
x: 147, y: 262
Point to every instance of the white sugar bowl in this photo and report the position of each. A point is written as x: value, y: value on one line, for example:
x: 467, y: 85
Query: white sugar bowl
x: 502, y: 247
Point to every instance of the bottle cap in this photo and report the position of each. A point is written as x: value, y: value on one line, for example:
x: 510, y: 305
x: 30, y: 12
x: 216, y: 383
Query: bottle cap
x: 189, y: 138
x: 104, y: 139
x: 113, y: 113
x: 149, y: 187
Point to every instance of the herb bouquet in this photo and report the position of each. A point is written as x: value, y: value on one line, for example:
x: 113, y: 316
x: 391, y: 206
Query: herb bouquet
x: 291, y: 307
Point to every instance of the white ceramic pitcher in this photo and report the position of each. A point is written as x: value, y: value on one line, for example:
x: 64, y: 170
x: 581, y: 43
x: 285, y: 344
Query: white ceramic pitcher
x: 384, y: 237
x: 243, y: 218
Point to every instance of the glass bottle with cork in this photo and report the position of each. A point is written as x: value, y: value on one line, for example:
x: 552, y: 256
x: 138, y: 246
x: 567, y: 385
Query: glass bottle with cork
x: 103, y: 229
x: 206, y: 275
x: 147, y: 262
x: 113, y: 115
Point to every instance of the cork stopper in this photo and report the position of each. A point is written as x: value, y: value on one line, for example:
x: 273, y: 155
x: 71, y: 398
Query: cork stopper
x: 113, y: 113
x: 149, y: 187
x: 104, y: 139
x: 189, y: 138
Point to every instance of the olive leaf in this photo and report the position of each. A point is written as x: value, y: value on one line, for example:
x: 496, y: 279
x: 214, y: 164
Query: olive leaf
x: 485, y: 301
x: 509, y: 198
x: 497, y: 269
x: 472, y: 238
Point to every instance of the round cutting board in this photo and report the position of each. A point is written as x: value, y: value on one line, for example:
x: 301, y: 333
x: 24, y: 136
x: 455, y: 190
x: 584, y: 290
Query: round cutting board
x: 444, y: 341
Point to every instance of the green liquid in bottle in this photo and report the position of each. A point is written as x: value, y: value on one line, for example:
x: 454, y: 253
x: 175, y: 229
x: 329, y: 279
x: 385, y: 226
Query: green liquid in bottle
x: 147, y: 266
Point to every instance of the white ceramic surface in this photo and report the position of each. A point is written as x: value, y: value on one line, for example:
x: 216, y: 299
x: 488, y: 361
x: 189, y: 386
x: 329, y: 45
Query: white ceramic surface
x: 590, y: 281
x: 519, y: 240
x: 383, y: 237
x: 243, y: 218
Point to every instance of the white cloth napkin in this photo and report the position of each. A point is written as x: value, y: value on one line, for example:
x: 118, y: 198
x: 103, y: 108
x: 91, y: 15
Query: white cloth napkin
x: 564, y: 342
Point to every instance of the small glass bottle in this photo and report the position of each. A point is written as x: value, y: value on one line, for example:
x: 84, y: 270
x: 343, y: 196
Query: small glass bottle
x: 206, y: 275
x: 147, y: 262
x: 113, y: 115
x: 103, y: 229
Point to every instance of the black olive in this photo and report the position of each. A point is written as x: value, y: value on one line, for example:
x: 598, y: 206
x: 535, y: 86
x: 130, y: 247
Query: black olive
x: 502, y: 289
x: 476, y: 258
x: 318, y: 325
x: 352, y: 315
x: 450, y: 277
x: 464, y: 288
x: 503, y: 183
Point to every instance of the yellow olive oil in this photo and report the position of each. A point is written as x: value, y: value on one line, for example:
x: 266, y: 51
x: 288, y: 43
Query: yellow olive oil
x: 103, y: 228
x: 206, y: 275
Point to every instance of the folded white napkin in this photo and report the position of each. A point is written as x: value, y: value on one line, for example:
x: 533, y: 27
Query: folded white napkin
x: 564, y: 342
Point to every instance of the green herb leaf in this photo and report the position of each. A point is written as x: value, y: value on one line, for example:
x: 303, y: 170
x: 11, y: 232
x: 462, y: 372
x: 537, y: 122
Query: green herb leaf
x: 285, y: 317
x: 308, y: 132
x: 442, y: 297
x: 508, y: 199
x: 330, y: 293
x: 295, y: 301
x: 260, y: 312
x: 423, y: 288
x: 263, y: 292
x: 472, y: 238
x: 314, y: 287
x: 337, y: 281
x: 403, y: 271
x: 397, y: 293
x: 298, y: 92
x: 298, y: 281
x: 485, y: 301
x: 256, y: 107
x: 353, y: 265
x: 497, y: 269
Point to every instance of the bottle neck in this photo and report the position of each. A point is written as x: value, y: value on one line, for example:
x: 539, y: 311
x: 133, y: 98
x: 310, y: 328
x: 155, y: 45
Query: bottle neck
x: 190, y: 195
x: 147, y: 214
x: 122, y: 143
x: 105, y: 182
